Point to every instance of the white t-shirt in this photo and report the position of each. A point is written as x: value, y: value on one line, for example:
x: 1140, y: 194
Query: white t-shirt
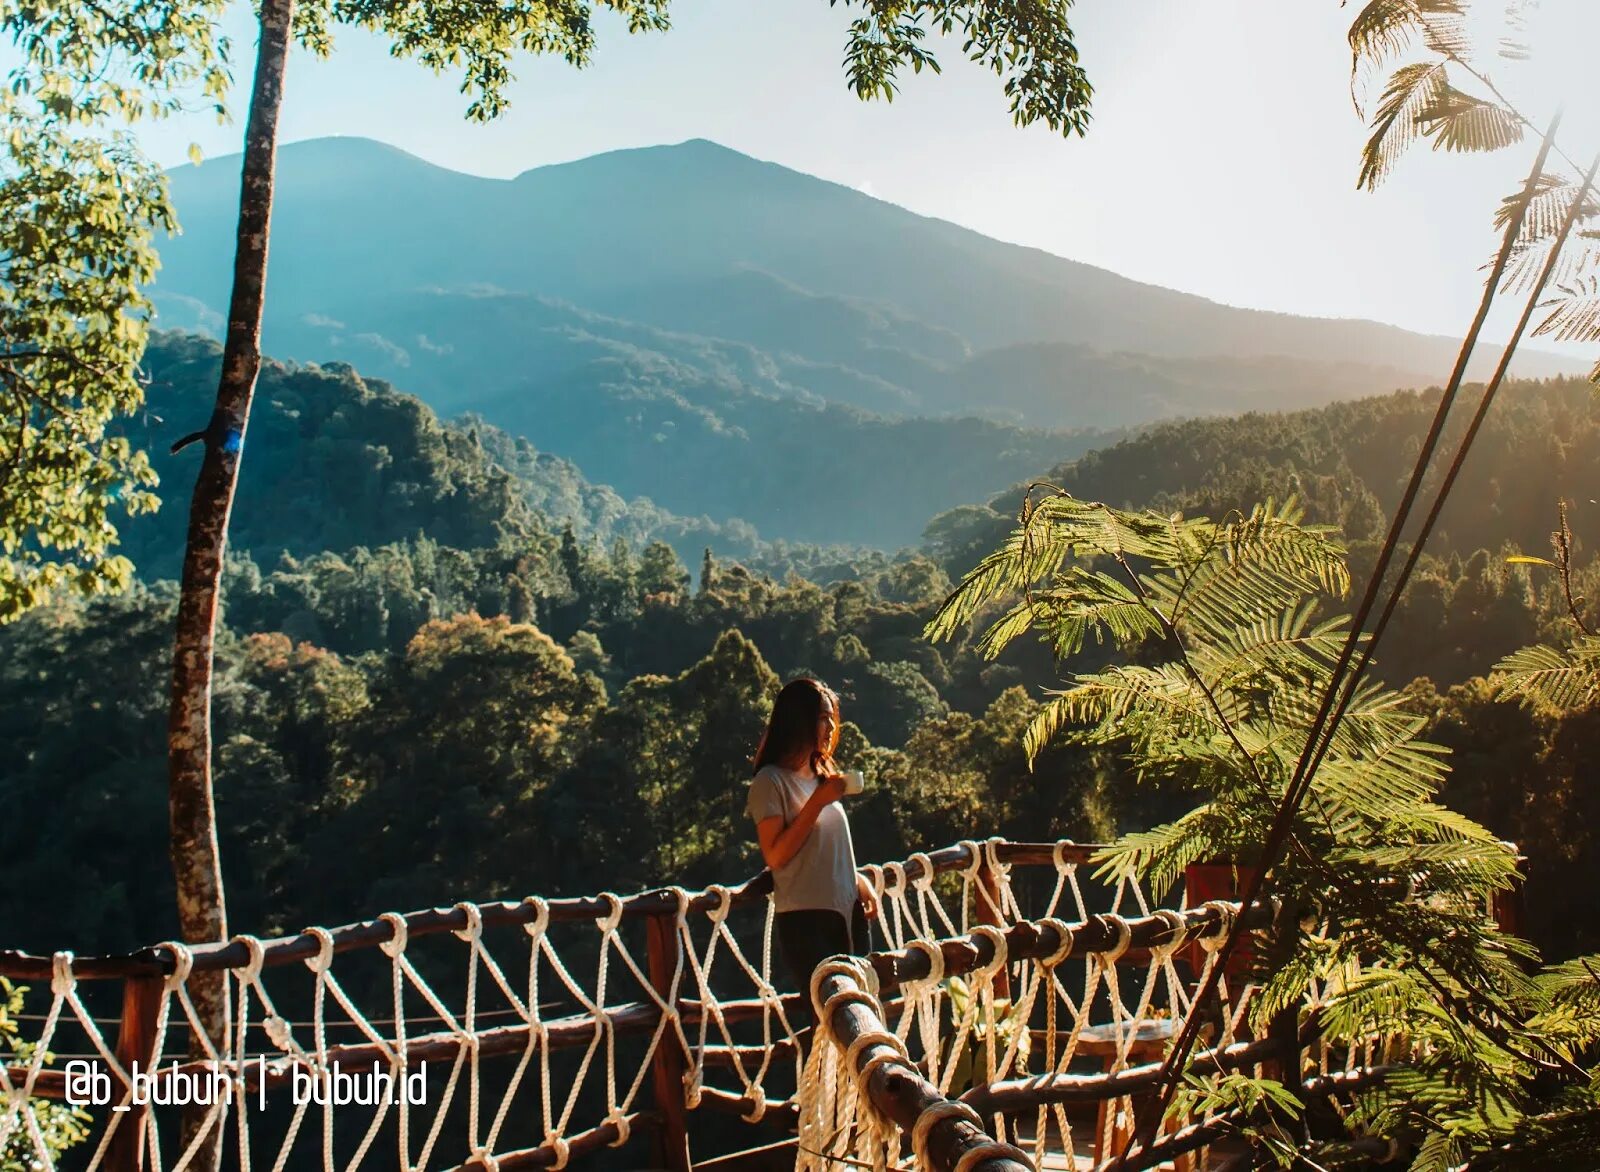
x: 822, y: 873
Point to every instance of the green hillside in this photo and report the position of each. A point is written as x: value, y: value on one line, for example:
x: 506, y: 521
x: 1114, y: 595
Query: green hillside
x: 338, y: 460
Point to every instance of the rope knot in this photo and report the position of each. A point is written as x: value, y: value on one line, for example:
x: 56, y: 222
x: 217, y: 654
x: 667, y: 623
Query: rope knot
x: 874, y: 874
x: 935, y: 956
x: 608, y: 922
x: 1226, y: 914
x: 620, y: 1121
x: 182, y: 963
x: 278, y: 1032
x: 867, y: 1038
x: 970, y: 871
x: 997, y: 941
x: 758, y: 1099
x: 925, y: 872
x: 1058, y: 856
x: 257, y: 953
x: 474, y: 928
x: 561, y: 1148
x: 62, y: 982
x: 991, y: 855
x: 1110, y: 956
x: 399, y: 934
x: 320, y: 963
x: 482, y: 1155
x: 724, y: 903
x: 1178, y: 933
x: 991, y: 1150
x: 1066, y: 935
x: 932, y: 1116
x: 541, y: 916
x: 894, y: 879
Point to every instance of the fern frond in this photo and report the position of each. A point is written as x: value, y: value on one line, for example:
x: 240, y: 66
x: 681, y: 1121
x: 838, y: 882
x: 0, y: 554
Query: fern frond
x: 1030, y: 554
x: 1542, y: 674
x: 1575, y: 316
x: 1161, y: 854
x: 1548, y: 207
x: 1121, y: 694
x: 1461, y: 122
x: 1081, y: 603
x: 1384, y: 29
x: 1529, y: 257
x: 1412, y: 90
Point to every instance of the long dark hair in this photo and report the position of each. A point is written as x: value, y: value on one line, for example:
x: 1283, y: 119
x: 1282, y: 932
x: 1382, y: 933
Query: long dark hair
x: 792, y: 727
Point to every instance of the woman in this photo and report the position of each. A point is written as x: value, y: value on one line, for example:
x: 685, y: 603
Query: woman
x: 822, y: 903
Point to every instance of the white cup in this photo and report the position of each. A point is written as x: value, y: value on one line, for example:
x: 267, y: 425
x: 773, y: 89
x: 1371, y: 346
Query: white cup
x: 854, y: 782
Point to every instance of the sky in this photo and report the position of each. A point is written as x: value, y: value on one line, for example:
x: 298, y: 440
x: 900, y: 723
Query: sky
x: 1221, y: 160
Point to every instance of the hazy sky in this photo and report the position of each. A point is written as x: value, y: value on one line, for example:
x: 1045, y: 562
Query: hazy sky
x: 1221, y: 160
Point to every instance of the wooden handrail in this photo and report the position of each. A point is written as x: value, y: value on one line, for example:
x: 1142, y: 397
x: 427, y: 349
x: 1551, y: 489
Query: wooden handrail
x: 158, y: 961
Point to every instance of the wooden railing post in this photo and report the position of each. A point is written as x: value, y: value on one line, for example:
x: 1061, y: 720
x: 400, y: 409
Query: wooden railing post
x: 669, y: 1064
x: 136, y: 1038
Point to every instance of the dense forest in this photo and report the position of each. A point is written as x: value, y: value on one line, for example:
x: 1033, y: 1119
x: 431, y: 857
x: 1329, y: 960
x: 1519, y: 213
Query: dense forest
x: 419, y: 643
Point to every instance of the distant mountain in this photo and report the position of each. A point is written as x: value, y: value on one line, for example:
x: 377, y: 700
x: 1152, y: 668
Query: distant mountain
x: 692, y: 324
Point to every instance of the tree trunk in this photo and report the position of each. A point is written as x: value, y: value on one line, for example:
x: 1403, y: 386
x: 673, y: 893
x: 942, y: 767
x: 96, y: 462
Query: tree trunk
x: 202, y: 913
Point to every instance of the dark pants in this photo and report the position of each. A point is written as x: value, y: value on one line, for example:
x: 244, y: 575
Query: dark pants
x: 809, y: 937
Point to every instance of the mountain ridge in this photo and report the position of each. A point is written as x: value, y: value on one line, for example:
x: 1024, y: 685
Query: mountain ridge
x: 671, y: 318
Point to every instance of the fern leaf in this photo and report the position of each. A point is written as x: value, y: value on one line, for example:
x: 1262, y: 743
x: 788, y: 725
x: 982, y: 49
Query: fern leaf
x: 1575, y: 316
x: 1461, y: 122
x: 1547, y: 208
x: 1412, y: 91
x: 1561, y: 679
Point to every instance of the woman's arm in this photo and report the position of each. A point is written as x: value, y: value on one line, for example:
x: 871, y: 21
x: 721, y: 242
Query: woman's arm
x: 780, y: 843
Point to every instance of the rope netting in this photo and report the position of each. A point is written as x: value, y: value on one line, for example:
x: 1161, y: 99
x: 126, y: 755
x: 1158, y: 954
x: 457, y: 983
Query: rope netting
x: 1014, y: 1019
x: 1016, y: 1028
x: 518, y: 1037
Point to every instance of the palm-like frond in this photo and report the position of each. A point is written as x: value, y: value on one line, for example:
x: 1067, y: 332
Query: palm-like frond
x: 1234, y: 610
x: 1529, y: 258
x: 1574, y: 312
x: 1562, y: 679
x: 1412, y: 91
x: 1461, y: 122
x: 1386, y: 29
x: 1551, y: 201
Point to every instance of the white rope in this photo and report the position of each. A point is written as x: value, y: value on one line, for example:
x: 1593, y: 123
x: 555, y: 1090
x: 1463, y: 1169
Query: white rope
x: 711, y: 965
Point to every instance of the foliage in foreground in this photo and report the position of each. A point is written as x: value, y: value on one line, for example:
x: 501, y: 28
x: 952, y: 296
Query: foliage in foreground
x: 1386, y: 935
x: 60, y: 1127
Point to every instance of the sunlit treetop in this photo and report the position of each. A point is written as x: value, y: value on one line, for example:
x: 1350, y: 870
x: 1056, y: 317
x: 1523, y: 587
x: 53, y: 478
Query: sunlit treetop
x: 1027, y: 43
x: 84, y: 60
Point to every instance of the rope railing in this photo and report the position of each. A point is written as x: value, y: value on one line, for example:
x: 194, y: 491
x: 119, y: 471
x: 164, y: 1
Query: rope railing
x: 554, y: 1028
x: 866, y: 1094
x: 158, y: 960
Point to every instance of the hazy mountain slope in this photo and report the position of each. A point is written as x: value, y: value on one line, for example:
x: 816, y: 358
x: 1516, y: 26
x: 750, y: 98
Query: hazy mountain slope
x: 626, y: 232
x: 701, y: 328
x: 664, y: 450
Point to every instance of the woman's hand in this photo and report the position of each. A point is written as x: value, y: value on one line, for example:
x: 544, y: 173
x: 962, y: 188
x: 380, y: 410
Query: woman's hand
x: 829, y: 789
x: 869, y: 901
